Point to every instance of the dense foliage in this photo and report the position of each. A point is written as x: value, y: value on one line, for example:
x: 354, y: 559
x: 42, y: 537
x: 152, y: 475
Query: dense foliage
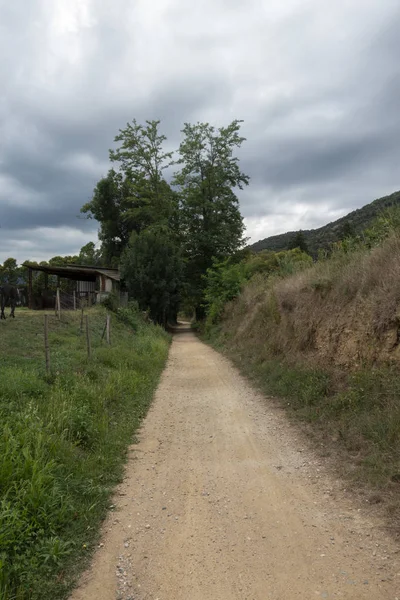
x: 211, y: 224
x: 152, y: 266
x: 166, y: 234
x: 225, y: 279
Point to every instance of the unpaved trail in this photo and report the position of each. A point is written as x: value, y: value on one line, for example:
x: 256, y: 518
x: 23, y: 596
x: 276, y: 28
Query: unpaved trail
x: 222, y: 500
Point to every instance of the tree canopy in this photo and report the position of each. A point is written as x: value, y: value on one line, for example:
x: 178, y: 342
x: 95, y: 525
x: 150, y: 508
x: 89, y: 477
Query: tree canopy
x: 167, y: 233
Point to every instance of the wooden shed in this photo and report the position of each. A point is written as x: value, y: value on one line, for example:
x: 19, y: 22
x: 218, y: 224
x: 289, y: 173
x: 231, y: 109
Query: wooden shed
x: 97, y: 282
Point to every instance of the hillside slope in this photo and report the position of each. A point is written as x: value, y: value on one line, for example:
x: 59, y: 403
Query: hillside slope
x: 327, y: 339
x: 357, y: 221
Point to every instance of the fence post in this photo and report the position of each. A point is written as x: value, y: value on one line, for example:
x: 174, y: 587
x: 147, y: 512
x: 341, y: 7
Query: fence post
x: 81, y: 328
x: 58, y: 304
x: 74, y: 300
x: 46, y: 343
x: 89, y: 349
x: 108, y: 329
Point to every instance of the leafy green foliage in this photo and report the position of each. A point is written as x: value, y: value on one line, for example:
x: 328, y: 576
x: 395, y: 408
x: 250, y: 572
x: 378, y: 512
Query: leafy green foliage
x: 224, y: 280
x: 10, y: 272
x: 108, y: 206
x: 298, y: 241
x: 63, y: 441
x: 152, y: 268
x: 136, y: 196
x: 211, y: 224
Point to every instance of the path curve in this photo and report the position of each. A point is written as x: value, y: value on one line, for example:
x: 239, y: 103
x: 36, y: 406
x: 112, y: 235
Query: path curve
x: 222, y: 500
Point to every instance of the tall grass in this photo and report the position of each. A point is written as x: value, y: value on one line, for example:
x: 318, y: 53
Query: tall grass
x: 63, y: 442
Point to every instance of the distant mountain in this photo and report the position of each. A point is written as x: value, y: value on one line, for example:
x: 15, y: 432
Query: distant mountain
x: 355, y: 222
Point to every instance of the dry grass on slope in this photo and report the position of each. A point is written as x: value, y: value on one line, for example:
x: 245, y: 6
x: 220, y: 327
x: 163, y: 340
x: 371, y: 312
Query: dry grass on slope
x: 343, y: 311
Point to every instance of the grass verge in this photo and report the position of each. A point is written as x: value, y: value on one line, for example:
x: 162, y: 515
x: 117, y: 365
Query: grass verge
x: 63, y: 440
x: 353, y: 417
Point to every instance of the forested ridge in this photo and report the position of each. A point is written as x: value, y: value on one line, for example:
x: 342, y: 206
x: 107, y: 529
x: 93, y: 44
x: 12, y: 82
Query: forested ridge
x: 322, y: 238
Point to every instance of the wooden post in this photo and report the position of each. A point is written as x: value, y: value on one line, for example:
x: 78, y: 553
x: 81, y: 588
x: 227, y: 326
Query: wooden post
x: 108, y: 329
x: 89, y: 299
x: 30, y: 294
x: 74, y: 300
x: 104, y: 330
x: 81, y: 316
x: 58, y: 304
x: 89, y: 348
x: 46, y: 343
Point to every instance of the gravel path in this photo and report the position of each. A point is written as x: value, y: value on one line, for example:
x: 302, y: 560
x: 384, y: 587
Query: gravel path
x: 223, y: 500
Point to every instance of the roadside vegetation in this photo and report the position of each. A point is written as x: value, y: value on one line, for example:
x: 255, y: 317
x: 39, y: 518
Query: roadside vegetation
x: 64, y: 438
x: 324, y: 336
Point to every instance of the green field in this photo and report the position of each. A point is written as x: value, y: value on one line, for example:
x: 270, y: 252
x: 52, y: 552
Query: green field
x: 64, y: 437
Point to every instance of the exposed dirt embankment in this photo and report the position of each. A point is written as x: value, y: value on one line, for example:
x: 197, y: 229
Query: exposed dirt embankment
x: 344, y: 311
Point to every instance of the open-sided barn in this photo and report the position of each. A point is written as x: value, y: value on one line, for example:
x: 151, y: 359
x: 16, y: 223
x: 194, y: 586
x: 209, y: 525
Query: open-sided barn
x: 95, y: 283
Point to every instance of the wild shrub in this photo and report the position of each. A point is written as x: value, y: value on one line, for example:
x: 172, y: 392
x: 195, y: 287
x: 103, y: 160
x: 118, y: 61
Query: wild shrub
x: 225, y: 280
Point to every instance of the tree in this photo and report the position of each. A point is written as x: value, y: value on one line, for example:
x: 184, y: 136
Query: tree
x: 347, y: 231
x: 298, y: 241
x: 152, y: 268
x: 136, y: 195
x: 108, y: 206
x: 10, y: 272
x: 212, y: 226
x: 88, y: 255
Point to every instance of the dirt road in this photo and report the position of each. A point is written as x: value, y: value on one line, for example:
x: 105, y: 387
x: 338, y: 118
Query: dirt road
x: 222, y: 500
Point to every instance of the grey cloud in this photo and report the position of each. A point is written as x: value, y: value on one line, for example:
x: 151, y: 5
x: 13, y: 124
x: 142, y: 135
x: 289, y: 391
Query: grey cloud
x: 317, y: 86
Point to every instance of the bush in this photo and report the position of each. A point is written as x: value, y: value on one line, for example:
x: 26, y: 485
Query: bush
x: 111, y: 302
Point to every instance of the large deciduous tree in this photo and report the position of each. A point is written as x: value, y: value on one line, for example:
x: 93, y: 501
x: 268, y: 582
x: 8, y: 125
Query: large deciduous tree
x: 134, y: 195
x: 138, y: 215
x: 154, y: 229
x: 212, y: 226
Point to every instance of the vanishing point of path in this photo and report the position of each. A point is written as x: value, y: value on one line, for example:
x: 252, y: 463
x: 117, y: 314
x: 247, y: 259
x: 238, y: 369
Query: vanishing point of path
x: 222, y: 500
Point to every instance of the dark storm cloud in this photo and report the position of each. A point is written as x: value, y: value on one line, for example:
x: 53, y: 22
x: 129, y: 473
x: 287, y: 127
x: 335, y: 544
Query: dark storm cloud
x: 317, y: 85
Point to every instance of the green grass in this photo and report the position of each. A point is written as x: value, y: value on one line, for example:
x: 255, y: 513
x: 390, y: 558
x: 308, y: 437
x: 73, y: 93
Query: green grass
x: 355, y: 415
x: 63, y: 440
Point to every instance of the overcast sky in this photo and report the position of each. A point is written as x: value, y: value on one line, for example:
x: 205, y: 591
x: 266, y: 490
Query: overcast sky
x: 316, y: 82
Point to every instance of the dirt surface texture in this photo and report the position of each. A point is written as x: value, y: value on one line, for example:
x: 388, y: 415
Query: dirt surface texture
x: 222, y: 499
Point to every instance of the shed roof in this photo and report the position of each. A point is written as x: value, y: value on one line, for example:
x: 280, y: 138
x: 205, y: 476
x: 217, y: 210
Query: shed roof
x: 76, y: 272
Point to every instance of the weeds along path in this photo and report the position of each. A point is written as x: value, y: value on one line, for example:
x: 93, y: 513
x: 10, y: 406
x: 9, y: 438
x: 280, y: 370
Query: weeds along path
x: 222, y: 500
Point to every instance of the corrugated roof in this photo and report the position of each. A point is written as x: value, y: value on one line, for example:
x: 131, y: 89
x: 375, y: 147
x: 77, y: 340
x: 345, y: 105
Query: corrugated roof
x: 77, y: 272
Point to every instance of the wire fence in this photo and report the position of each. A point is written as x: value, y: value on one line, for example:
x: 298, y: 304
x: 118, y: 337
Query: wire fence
x: 75, y: 317
x: 73, y: 330
x: 73, y: 320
